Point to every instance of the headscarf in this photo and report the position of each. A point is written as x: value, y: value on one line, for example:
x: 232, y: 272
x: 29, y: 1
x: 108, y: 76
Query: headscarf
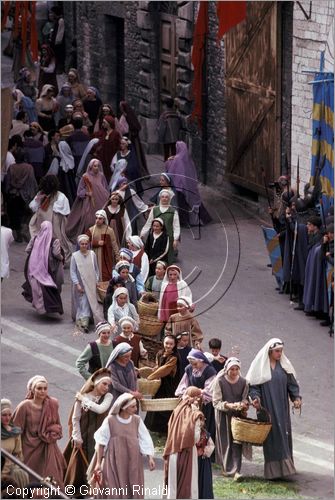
x: 65, y: 86
x: 260, y: 369
x: 167, y: 177
x: 197, y: 355
x: 166, y: 191
x: 158, y: 219
x: 184, y: 175
x: 121, y: 403
x: 120, y: 350
x: 123, y: 311
x: 120, y: 167
x: 109, y: 119
x: 45, y: 89
x: 231, y: 362
x: 101, y: 327
x: 101, y: 213
x: 6, y: 404
x: 122, y: 264
x: 136, y: 241
x: 38, y: 266
x: 83, y: 237
x: 125, y: 252
x: 121, y: 180
x: 90, y: 165
x: 94, y: 379
x: 75, y: 73
x: 96, y: 92
x: 32, y: 382
x: 66, y: 157
x: 87, y: 150
x: 127, y: 320
x: 184, y: 301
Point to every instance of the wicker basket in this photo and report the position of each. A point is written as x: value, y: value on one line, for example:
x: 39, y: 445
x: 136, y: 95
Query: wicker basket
x: 163, y: 404
x: 101, y: 290
x: 150, y: 326
x: 147, y: 305
x: 248, y: 430
x: 145, y: 371
x: 148, y: 387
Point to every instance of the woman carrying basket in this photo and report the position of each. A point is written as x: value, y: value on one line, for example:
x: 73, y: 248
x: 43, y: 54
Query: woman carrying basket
x: 273, y: 382
x: 229, y: 399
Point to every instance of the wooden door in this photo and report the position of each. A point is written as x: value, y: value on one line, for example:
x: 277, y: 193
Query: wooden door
x: 168, y: 56
x: 253, y: 93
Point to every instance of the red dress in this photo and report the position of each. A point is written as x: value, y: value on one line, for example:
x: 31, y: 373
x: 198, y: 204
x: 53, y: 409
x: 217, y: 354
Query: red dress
x: 169, y: 302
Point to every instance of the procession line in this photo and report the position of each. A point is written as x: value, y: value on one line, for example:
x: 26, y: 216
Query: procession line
x: 38, y: 336
x: 40, y: 356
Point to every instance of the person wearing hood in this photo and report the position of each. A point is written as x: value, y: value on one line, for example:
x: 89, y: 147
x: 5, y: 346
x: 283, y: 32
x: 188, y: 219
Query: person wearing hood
x: 230, y: 392
x: 123, y: 373
x: 11, y: 442
x: 92, y: 103
x: 140, y: 258
x: 104, y: 245
x: 172, y: 288
x: 200, y: 373
x: 108, y: 145
x: 120, y: 308
x: 121, y: 443
x: 273, y: 383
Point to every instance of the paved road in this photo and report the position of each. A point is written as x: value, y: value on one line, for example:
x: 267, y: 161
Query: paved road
x: 234, y: 291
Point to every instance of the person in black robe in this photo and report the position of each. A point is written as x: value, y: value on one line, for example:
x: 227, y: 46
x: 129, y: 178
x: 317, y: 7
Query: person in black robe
x: 157, y: 244
x: 184, y: 348
x: 34, y: 154
x: 167, y: 370
x: 78, y: 140
x: 92, y: 104
x: 272, y: 381
x: 315, y: 289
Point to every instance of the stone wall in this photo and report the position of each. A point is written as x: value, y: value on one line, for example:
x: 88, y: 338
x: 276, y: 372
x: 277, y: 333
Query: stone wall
x: 309, y: 39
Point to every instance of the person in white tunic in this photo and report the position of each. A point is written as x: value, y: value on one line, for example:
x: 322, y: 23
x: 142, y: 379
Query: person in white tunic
x: 121, y: 443
x: 84, y: 274
x: 7, y: 239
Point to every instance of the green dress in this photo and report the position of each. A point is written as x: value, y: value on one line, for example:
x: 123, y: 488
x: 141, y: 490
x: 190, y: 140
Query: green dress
x: 167, y: 218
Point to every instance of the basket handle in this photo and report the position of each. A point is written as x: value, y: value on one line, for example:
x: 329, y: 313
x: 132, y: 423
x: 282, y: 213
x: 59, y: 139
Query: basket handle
x: 267, y: 413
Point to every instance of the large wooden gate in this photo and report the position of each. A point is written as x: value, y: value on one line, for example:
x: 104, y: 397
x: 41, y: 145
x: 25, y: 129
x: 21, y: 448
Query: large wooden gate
x: 253, y: 93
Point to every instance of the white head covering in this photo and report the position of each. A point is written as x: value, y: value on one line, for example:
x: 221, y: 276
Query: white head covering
x: 231, y: 362
x: 124, y: 310
x: 127, y: 320
x: 66, y: 157
x: 101, y: 213
x: 119, y: 350
x: 83, y: 237
x: 160, y: 220
x: 102, y: 377
x: 6, y: 404
x: 82, y: 162
x: 36, y: 379
x: 45, y: 89
x: 166, y: 191
x: 121, y: 403
x: 122, y: 263
x: 120, y: 167
x: 102, y: 327
x: 260, y: 369
x: 136, y: 241
x: 184, y: 301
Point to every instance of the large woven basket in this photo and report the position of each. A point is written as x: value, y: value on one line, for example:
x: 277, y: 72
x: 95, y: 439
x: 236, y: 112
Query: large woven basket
x: 148, y: 387
x: 102, y: 289
x: 150, y: 326
x: 163, y: 404
x: 147, y: 305
x: 248, y: 430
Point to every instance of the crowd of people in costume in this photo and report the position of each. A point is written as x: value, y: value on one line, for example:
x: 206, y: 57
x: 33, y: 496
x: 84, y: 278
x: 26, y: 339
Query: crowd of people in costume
x: 108, y: 440
x: 306, y: 238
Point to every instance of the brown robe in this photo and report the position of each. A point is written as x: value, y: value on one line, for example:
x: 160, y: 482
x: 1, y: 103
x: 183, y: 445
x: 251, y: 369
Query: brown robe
x: 123, y: 463
x: 108, y: 254
x: 40, y: 431
x: 178, y: 324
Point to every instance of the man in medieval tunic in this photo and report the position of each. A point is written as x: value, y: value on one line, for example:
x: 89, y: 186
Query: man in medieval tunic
x: 104, y: 245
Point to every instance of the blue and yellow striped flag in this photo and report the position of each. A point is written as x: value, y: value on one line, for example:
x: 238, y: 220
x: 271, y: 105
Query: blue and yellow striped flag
x: 323, y: 136
x: 273, y: 247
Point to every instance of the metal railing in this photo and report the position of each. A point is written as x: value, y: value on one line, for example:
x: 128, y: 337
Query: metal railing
x: 44, y: 482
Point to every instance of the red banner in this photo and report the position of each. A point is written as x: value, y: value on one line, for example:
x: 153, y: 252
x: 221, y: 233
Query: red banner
x: 229, y: 15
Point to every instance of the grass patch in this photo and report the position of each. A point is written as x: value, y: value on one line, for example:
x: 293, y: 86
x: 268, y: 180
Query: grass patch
x: 159, y: 442
x: 252, y: 487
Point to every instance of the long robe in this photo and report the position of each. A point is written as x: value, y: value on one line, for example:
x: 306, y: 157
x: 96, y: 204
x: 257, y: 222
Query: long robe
x: 41, y: 453
x: 84, y: 270
x: 45, y: 299
x: 167, y: 371
x: 124, y: 378
x: 125, y: 442
x: 274, y: 396
x: 89, y: 423
x: 184, y: 323
x: 108, y: 254
x: 228, y: 453
x: 315, y: 289
x: 83, y: 210
x: 13, y: 445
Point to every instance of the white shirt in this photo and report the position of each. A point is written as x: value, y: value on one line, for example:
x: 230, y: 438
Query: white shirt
x: 91, y: 403
x: 60, y: 206
x: 6, y: 240
x: 176, y: 224
x: 102, y: 435
x: 144, y: 265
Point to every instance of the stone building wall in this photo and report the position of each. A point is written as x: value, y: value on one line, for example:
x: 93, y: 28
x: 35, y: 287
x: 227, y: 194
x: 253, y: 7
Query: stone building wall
x: 309, y: 39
